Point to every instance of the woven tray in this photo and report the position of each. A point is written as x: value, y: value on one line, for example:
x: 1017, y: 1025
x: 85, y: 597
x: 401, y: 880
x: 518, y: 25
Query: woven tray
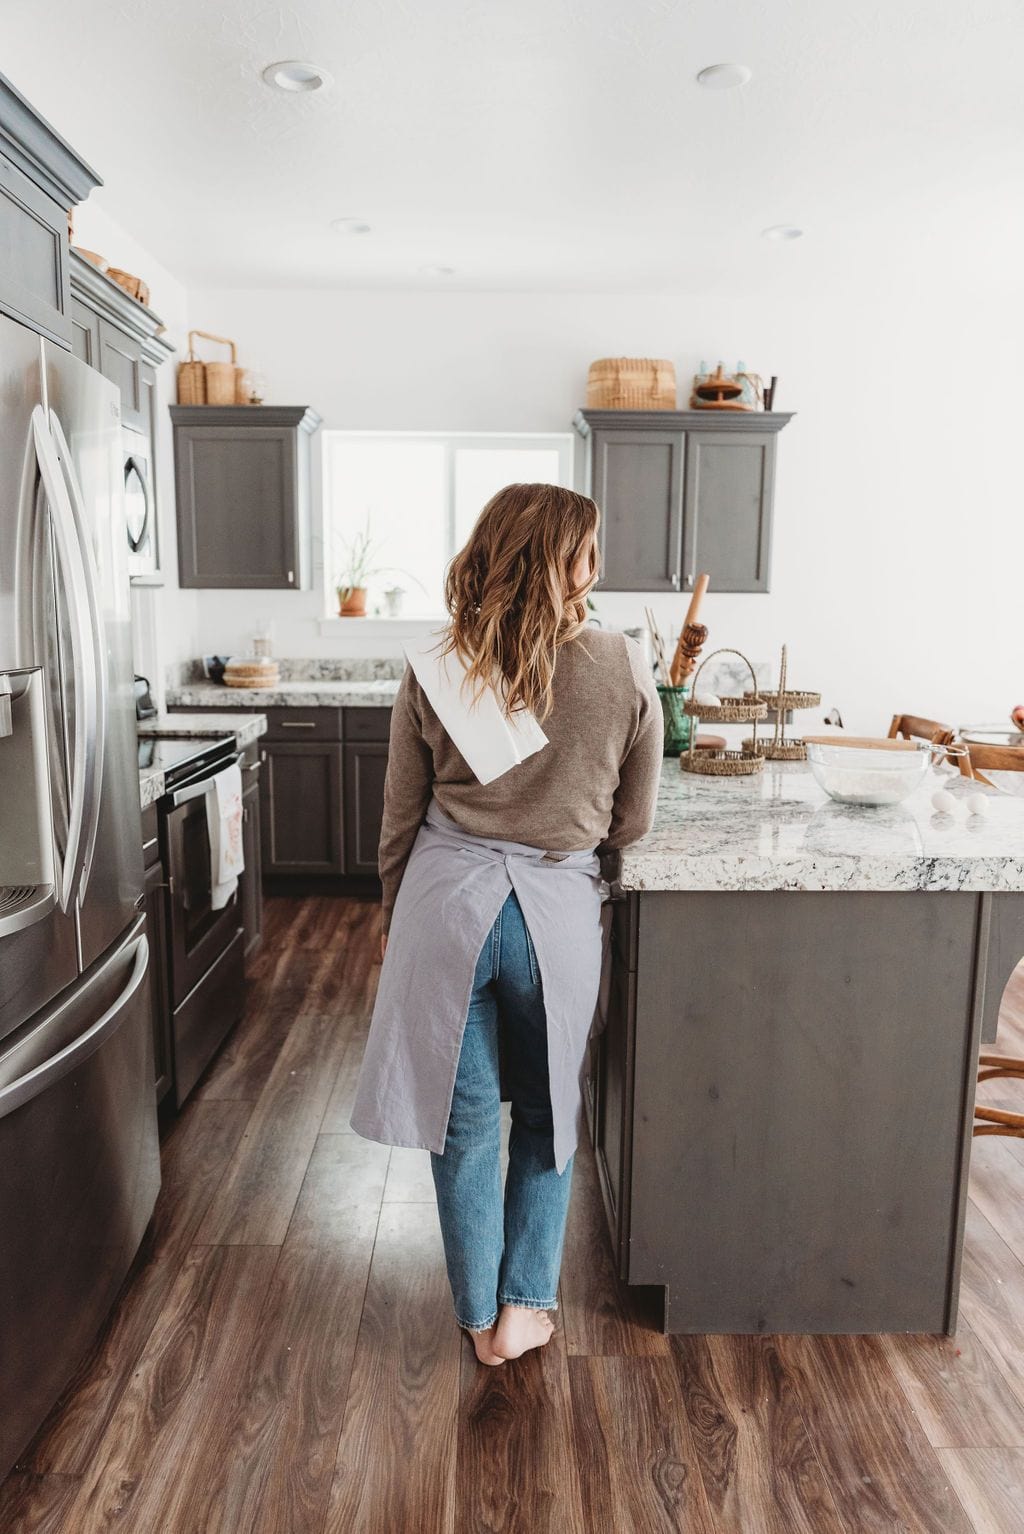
x: 790, y: 699
x: 729, y: 711
x: 781, y: 751
x: 721, y: 764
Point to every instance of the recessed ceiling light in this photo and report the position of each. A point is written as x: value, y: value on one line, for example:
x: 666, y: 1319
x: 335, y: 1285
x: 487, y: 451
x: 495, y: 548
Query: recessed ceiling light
x: 296, y: 75
x: 724, y: 77
x: 350, y: 226
x: 782, y: 233
x: 438, y: 271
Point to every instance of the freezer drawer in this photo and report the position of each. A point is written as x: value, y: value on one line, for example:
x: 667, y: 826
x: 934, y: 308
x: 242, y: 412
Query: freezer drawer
x: 79, y: 1176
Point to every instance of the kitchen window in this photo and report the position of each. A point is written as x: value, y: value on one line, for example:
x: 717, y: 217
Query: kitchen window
x: 419, y: 494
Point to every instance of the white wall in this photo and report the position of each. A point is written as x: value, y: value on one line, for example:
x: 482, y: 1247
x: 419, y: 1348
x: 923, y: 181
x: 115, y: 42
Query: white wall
x: 897, y: 567
x: 164, y: 619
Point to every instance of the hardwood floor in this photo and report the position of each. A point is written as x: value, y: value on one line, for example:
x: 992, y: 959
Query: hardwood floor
x: 283, y: 1358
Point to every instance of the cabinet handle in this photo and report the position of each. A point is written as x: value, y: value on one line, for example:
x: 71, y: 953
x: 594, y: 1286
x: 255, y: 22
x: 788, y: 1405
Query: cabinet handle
x: 291, y: 577
x: 675, y: 580
x: 689, y: 579
x: 298, y: 724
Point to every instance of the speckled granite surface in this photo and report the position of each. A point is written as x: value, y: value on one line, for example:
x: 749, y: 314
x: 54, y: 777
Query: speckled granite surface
x: 287, y: 694
x: 345, y: 668
x: 779, y: 831
x: 245, y: 728
x: 151, y: 785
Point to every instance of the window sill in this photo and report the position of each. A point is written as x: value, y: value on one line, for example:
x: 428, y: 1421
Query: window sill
x: 395, y: 628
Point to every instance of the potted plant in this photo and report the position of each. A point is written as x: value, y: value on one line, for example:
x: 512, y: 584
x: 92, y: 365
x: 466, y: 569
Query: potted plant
x: 358, y: 568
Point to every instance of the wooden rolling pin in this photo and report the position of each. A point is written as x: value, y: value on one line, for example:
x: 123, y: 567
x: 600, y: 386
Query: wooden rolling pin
x: 690, y: 642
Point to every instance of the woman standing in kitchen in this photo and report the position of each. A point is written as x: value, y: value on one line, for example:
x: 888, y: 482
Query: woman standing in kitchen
x: 523, y: 744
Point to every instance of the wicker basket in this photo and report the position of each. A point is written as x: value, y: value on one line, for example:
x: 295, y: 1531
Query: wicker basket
x: 725, y: 764
x: 631, y: 383
x: 208, y: 383
x: 133, y: 286
x: 788, y: 699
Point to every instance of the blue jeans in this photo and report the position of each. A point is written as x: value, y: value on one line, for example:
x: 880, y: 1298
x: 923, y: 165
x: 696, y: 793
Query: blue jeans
x: 502, y: 1246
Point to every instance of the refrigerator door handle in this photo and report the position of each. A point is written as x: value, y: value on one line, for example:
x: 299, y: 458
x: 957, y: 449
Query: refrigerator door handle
x: 91, y: 812
x: 83, y: 653
x: 21, y: 1091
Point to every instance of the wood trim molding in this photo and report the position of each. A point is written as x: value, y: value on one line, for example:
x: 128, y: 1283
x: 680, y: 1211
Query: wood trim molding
x: 761, y: 421
x: 302, y: 416
x: 106, y: 298
x: 39, y: 152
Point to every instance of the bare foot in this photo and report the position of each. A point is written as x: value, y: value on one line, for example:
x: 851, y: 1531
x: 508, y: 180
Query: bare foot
x: 483, y: 1342
x: 520, y: 1328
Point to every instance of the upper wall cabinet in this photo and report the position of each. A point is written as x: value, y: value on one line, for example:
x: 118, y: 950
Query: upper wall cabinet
x: 41, y: 179
x: 682, y: 491
x: 242, y: 476
x: 122, y: 339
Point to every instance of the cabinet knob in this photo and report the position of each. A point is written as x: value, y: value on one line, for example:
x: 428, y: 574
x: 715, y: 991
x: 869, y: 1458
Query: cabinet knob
x: 291, y: 577
x: 690, y: 574
x: 675, y: 580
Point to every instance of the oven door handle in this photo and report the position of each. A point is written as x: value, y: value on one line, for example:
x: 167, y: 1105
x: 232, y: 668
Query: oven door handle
x: 191, y: 791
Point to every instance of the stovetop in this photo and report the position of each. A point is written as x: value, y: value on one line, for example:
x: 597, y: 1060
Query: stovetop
x: 180, y: 759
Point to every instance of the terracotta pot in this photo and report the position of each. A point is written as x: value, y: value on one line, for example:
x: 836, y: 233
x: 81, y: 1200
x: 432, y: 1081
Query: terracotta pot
x: 354, y: 604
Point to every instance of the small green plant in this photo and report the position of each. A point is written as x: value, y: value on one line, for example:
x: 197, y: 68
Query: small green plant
x: 359, y: 566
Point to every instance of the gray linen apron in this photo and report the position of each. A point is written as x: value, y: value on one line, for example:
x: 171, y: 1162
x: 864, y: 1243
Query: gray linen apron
x: 452, y: 889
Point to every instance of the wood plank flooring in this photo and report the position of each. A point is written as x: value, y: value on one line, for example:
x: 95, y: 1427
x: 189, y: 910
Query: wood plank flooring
x: 283, y: 1357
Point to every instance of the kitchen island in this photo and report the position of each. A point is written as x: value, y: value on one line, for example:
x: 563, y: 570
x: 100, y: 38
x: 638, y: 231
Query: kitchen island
x: 782, y: 1098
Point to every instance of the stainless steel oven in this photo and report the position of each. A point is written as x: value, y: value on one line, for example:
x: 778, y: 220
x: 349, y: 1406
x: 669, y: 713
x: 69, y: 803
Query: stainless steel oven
x: 204, y: 945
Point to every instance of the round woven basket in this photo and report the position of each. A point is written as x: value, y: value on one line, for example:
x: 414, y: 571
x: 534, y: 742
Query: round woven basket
x: 778, y: 751
x: 721, y: 764
x: 729, y: 711
x: 788, y: 699
x: 631, y: 383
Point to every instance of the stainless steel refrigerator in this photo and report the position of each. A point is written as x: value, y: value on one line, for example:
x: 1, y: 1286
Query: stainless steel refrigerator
x: 79, y: 1149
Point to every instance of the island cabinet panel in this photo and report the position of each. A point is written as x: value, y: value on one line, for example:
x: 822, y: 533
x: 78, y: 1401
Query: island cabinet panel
x: 803, y: 1081
x: 242, y: 494
x: 301, y: 807
x: 682, y: 491
x: 613, y: 1111
x: 159, y: 989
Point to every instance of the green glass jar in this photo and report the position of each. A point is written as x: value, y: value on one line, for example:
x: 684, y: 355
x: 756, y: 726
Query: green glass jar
x: 677, y: 723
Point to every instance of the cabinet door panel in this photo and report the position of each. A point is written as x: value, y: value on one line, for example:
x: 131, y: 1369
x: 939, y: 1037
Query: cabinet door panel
x: 251, y: 881
x: 728, y: 509
x: 121, y: 361
x: 85, y: 333
x: 156, y: 933
x: 637, y: 479
x: 365, y: 769
x: 34, y: 280
x: 236, y: 489
x: 614, y: 1108
x: 301, y: 808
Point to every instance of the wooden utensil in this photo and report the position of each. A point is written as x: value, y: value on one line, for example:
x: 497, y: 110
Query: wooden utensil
x: 685, y: 650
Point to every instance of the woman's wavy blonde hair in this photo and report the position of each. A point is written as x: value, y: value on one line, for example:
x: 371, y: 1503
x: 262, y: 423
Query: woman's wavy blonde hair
x: 511, y: 593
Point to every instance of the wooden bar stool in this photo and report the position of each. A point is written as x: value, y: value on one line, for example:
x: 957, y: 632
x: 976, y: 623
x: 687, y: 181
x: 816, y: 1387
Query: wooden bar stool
x: 997, y: 1121
x: 993, y: 758
x: 915, y: 727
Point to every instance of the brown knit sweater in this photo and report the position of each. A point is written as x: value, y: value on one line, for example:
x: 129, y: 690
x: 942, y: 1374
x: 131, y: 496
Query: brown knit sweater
x: 593, y: 785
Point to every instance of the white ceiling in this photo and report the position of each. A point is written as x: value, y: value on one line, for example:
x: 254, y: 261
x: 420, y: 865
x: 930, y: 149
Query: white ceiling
x: 542, y: 144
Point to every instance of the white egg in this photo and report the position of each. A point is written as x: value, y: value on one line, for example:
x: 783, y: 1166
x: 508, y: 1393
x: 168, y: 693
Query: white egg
x: 977, y: 804
x: 708, y: 700
x: 943, y: 801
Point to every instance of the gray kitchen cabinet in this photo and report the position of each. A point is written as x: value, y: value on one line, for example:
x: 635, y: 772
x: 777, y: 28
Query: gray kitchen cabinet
x: 156, y: 934
x: 123, y: 340
x: 242, y: 478
x: 251, y: 881
x: 682, y: 491
x: 85, y: 333
x: 41, y: 179
x: 366, y: 764
x: 120, y: 360
x: 301, y: 807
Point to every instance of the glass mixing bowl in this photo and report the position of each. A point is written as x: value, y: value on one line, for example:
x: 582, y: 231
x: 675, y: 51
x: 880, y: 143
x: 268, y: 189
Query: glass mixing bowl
x: 871, y: 775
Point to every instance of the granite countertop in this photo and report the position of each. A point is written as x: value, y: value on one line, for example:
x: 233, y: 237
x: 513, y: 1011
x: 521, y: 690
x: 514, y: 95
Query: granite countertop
x: 287, y: 693
x: 151, y: 785
x: 777, y: 830
x: 245, y: 728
